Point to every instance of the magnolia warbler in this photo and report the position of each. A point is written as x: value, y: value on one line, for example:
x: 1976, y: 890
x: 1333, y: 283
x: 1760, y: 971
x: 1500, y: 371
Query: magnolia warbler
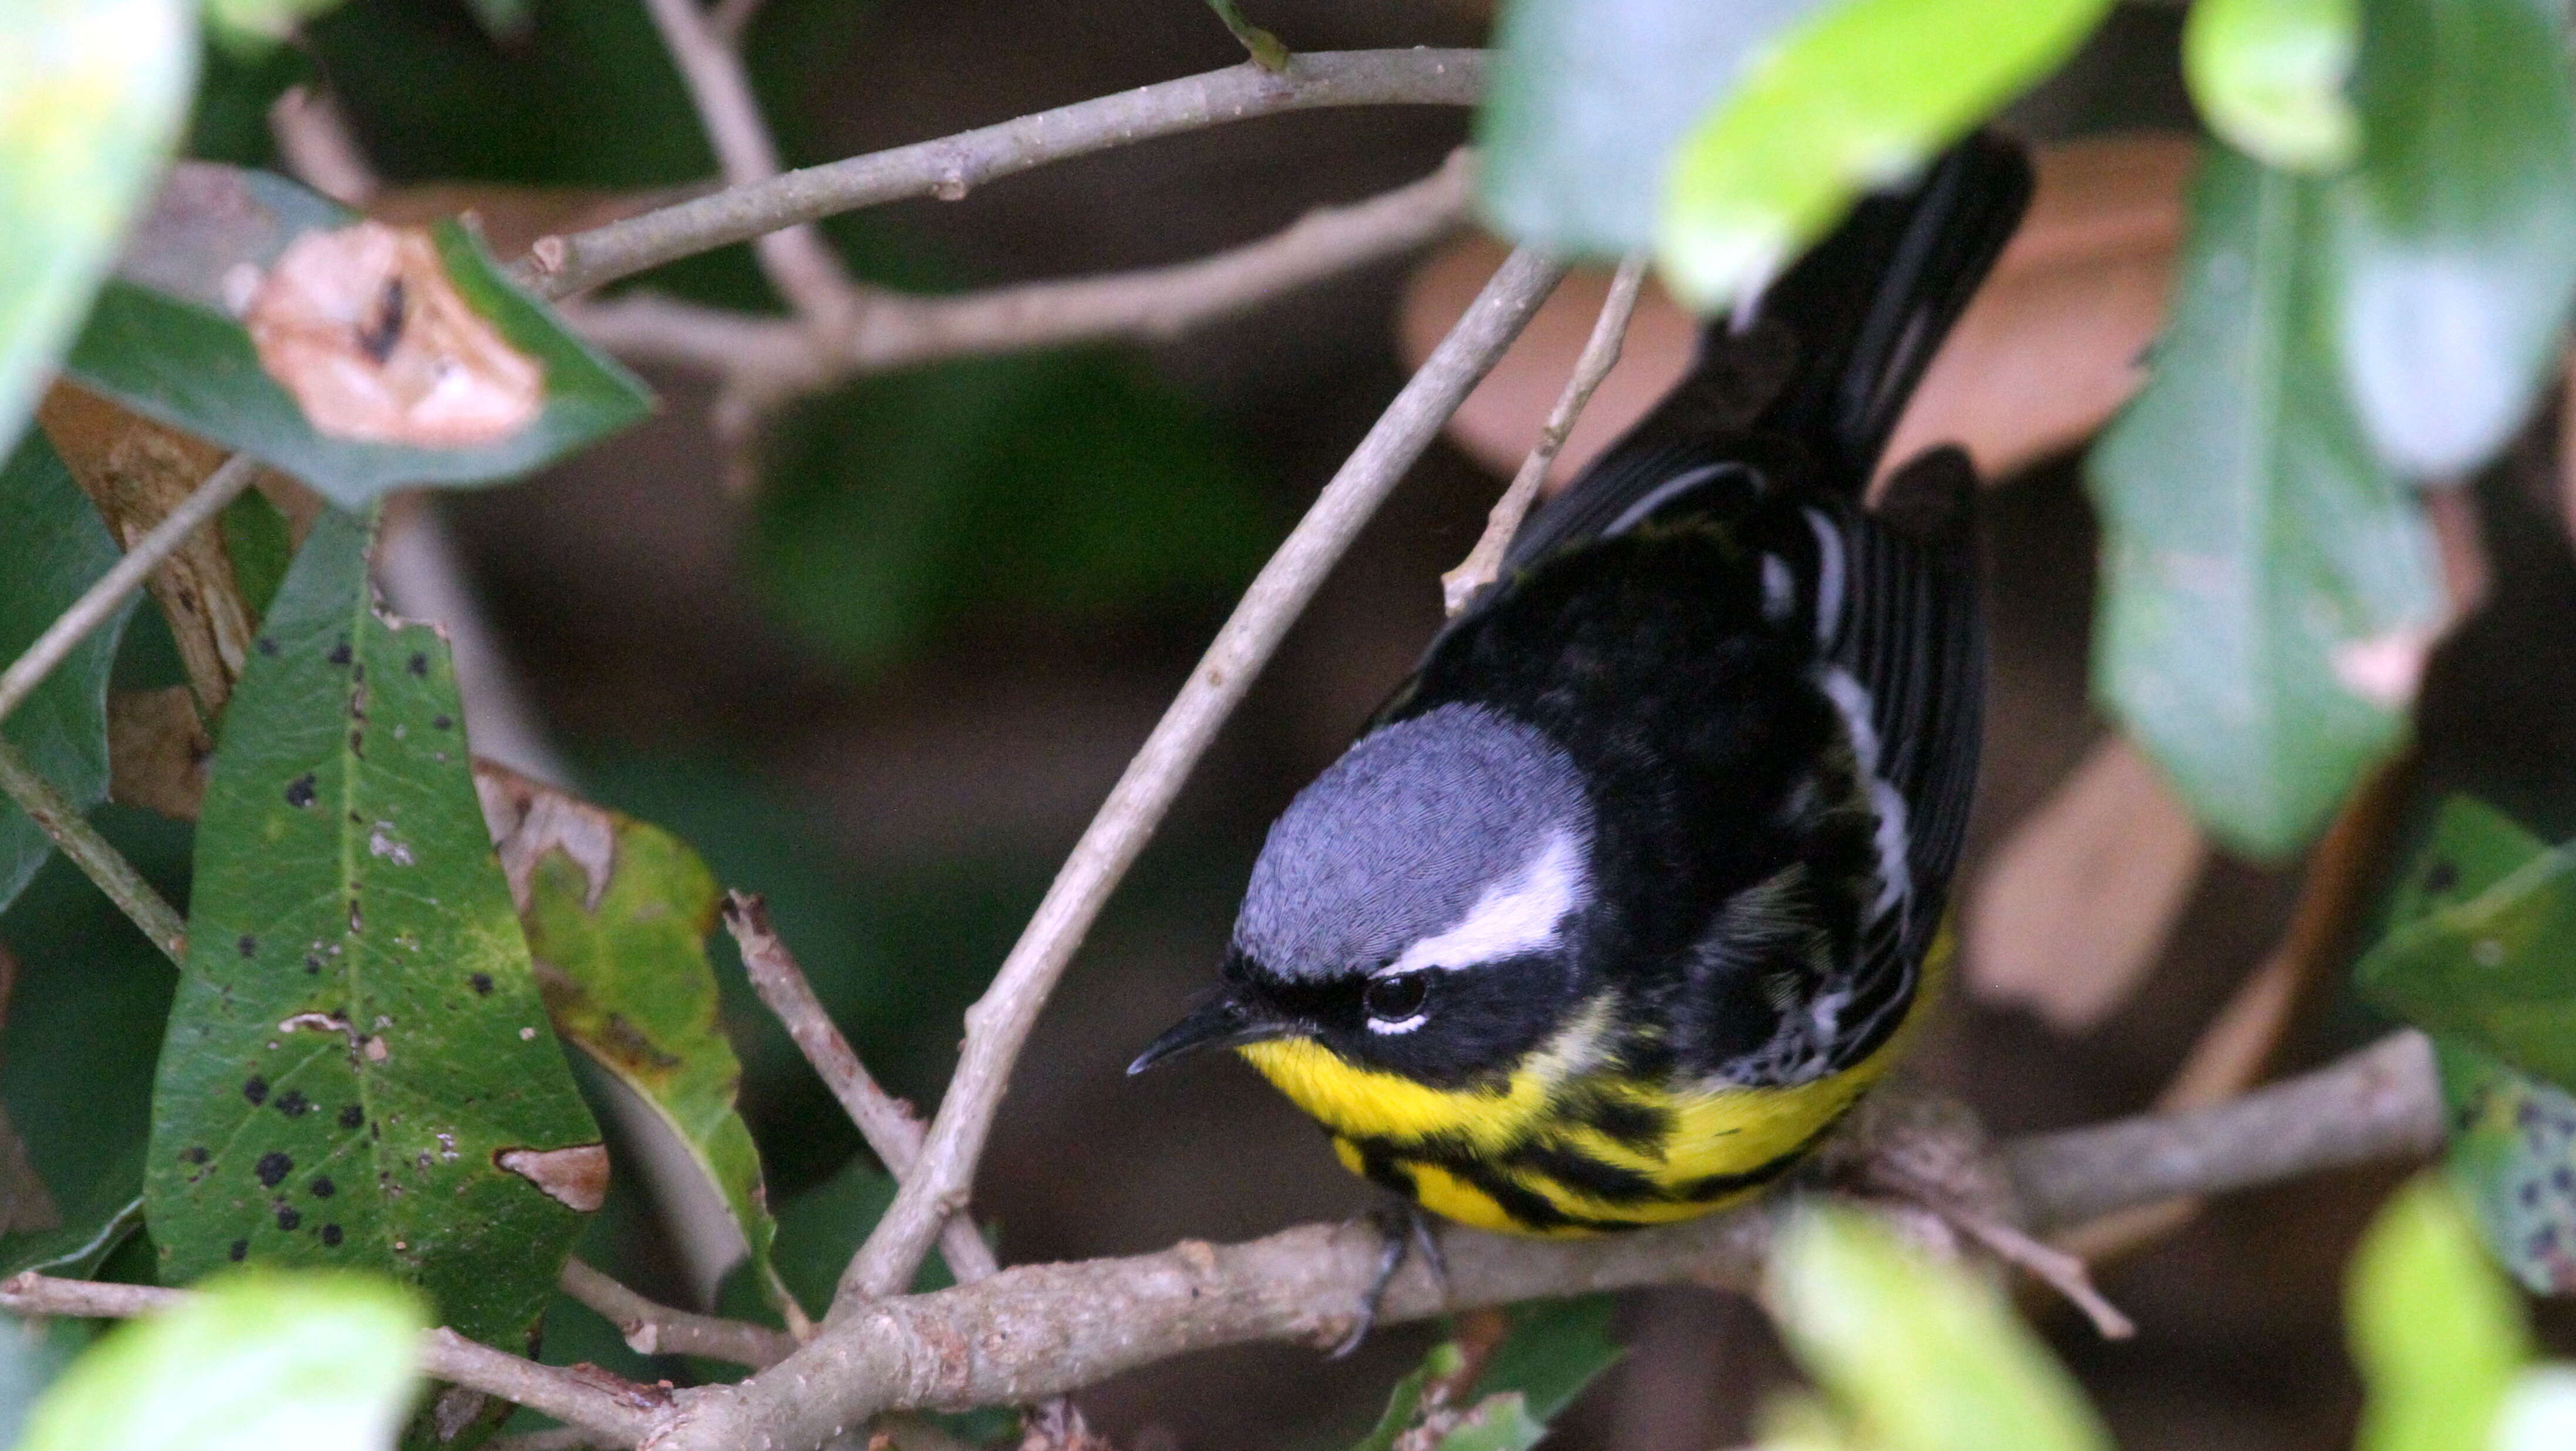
x: 1638, y: 881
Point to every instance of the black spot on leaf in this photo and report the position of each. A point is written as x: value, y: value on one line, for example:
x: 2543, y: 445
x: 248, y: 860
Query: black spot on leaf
x: 323, y: 1188
x: 418, y: 664
x: 357, y: 743
x: 331, y: 1235
x: 266, y: 645
x: 352, y: 1116
x: 340, y: 653
x: 255, y: 1088
x: 272, y: 1169
x: 481, y: 982
x: 293, y: 1104
x: 249, y: 945
x: 441, y: 722
x: 2442, y: 876
x: 193, y: 1156
x: 299, y: 792
x: 240, y: 1249
x: 288, y: 1218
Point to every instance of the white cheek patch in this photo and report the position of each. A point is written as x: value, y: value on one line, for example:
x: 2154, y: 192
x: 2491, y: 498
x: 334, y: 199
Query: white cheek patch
x: 1513, y: 917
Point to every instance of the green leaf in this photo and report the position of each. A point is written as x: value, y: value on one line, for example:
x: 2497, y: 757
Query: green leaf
x: 1920, y: 1354
x: 315, y: 1362
x: 617, y: 913
x: 2266, y: 583
x: 92, y: 93
x: 818, y: 1231
x: 1404, y: 1404
x: 1497, y: 1423
x: 85, y: 1018
x: 162, y: 342
x: 252, y: 27
x: 358, y: 1070
x: 2488, y: 957
x: 2455, y: 239
x: 57, y: 550
x: 2436, y: 1333
x: 261, y: 547
x: 2512, y: 1160
x: 1586, y: 102
x: 1856, y: 97
x: 1266, y: 49
x: 2269, y: 76
x: 1554, y: 1349
x: 905, y: 502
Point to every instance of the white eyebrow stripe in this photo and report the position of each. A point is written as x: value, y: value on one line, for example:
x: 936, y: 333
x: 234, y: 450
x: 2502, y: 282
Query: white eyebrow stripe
x: 1512, y: 917
x: 1829, y: 576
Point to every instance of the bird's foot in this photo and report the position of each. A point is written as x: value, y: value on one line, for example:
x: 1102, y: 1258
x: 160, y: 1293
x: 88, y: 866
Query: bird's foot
x: 1400, y: 1230
x: 1925, y: 1161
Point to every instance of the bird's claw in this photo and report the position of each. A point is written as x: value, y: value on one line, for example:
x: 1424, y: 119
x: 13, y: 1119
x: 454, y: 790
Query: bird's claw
x: 1399, y: 1230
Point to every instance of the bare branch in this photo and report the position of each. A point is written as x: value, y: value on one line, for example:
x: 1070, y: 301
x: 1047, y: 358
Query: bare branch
x: 953, y: 165
x: 1484, y: 563
x: 651, y: 1328
x: 998, y: 1024
x: 92, y: 853
x: 1039, y: 1330
x: 313, y: 140
x: 597, y: 1402
x: 772, y: 360
x: 885, y: 1122
x: 796, y: 259
x: 730, y: 18
x: 105, y: 597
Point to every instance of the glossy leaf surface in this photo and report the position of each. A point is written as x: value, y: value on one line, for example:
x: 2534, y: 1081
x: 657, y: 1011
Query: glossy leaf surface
x: 57, y: 548
x: 92, y: 93
x: 358, y: 1071
x: 1921, y: 1353
x: 257, y: 1362
x: 1858, y: 96
x: 1588, y: 100
x: 2268, y: 587
x: 2269, y: 76
x: 2455, y: 238
x: 2435, y: 1331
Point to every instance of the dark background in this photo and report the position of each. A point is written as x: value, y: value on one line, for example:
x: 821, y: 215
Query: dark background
x: 889, y: 689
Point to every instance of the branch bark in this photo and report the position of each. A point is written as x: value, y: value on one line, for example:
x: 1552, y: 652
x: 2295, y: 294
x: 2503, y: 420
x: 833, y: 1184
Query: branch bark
x: 1041, y: 1330
x: 953, y: 165
x: 768, y: 360
x: 889, y: 1126
x: 998, y: 1024
x: 652, y: 1328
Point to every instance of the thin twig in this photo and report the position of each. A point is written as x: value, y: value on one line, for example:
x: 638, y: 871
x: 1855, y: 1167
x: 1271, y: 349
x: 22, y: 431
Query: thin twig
x: 797, y: 261
x: 998, y: 1024
x: 102, y: 600
x: 730, y: 18
x: 314, y: 142
x: 888, y: 1124
x: 769, y: 360
x: 621, y: 1410
x: 652, y: 1328
x: 1484, y: 563
x: 1038, y: 1330
x: 951, y: 166
x: 559, y: 1438
x: 92, y: 853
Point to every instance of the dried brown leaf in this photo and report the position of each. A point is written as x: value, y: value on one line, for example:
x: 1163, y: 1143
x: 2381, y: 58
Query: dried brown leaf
x: 157, y: 751
x: 2041, y: 358
x: 530, y: 818
x: 2076, y: 906
x: 575, y: 1177
x: 364, y: 328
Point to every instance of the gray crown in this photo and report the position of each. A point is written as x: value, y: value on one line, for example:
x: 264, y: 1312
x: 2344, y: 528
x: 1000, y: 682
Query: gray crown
x: 1397, y: 839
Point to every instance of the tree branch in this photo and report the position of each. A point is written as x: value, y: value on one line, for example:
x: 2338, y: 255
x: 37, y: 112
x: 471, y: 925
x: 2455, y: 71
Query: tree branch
x: 103, y: 598
x: 797, y: 261
x: 652, y: 1328
x: 770, y: 360
x: 1484, y: 563
x: 617, y: 1409
x: 953, y: 165
x: 93, y: 854
x: 1040, y: 1330
x: 998, y: 1024
x: 889, y: 1126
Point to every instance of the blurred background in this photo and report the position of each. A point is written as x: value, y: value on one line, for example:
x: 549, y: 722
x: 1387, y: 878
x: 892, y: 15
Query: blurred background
x: 885, y: 677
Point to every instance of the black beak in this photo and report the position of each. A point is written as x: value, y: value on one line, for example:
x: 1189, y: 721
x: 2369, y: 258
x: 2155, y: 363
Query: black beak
x: 1222, y: 1023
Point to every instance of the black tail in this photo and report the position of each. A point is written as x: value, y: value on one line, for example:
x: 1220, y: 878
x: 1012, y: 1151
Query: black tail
x: 1869, y: 306
x: 1826, y: 361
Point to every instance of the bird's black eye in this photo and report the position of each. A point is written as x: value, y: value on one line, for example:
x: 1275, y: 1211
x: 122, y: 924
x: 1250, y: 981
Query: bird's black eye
x: 1393, y: 999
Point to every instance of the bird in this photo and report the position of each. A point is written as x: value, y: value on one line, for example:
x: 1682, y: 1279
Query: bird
x: 1634, y: 885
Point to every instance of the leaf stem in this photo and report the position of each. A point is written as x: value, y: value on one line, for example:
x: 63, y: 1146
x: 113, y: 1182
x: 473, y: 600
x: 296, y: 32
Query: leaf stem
x: 92, y: 853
